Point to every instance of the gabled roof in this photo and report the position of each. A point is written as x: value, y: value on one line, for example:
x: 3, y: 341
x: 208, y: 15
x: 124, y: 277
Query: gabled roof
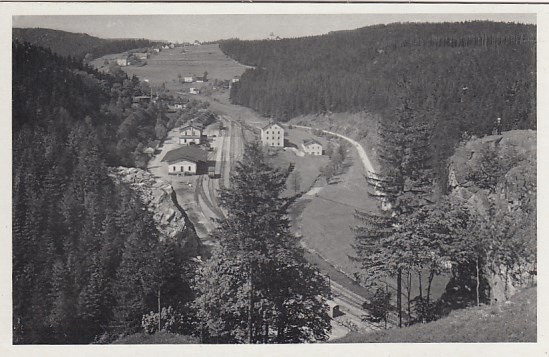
x: 271, y: 124
x: 310, y: 142
x: 193, y: 125
x: 190, y: 153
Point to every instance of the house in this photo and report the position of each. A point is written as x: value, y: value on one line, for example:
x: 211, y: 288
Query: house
x: 312, y: 147
x: 235, y: 79
x: 272, y: 135
x: 194, y: 91
x: 190, y: 134
x: 188, y: 79
x: 187, y: 160
x: 122, y: 62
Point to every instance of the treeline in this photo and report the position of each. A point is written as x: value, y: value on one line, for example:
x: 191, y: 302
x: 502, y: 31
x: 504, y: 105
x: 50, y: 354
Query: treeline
x: 77, y: 45
x: 459, y: 76
x: 87, y: 261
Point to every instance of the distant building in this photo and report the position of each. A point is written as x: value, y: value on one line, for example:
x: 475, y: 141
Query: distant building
x: 235, y: 80
x: 272, y: 135
x: 190, y: 134
x: 122, y: 62
x: 188, y: 79
x: 312, y: 147
x: 187, y: 160
x: 194, y: 91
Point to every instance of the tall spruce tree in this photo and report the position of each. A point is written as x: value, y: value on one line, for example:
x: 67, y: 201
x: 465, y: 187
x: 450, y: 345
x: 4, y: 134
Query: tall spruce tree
x: 385, y: 243
x: 257, y: 287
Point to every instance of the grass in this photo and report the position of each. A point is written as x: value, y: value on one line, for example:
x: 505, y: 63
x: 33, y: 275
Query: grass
x: 162, y: 337
x: 327, y: 220
x: 308, y: 166
x: 511, y: 321
x: 362, y: 127
x: 165, y: 66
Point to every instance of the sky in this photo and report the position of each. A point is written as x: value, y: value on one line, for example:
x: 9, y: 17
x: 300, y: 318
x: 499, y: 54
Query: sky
x: 247, y: 27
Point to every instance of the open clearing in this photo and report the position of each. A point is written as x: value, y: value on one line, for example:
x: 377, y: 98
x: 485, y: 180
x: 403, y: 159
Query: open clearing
x: 164, y: 67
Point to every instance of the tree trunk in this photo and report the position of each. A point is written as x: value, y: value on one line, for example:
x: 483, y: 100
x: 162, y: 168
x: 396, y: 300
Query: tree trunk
x: 420, y: 285
x: 431, y: 277
x: 159, y: 313
x: 266, y: 333
x: 408, y: 295
x: 386, y: 304
x: 250, y: 307
x: 399, y: 297
x: 478, y: 281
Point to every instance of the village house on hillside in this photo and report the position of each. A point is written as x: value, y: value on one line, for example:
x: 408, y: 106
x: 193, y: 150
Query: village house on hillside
x: 190, y: 134
x: 188, y: 79
x: 312, y: 147
x: 272, y: 135
x: 186, y: 160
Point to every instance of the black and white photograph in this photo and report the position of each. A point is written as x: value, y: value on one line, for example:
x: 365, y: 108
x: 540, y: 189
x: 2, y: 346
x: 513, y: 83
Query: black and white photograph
x: 231, y: 178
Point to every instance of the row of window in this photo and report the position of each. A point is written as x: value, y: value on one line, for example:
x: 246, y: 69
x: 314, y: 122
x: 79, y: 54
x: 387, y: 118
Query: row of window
x: 182, y: 168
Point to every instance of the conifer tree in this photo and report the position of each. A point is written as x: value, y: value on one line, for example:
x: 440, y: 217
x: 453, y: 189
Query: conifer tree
x: 385, y: 242
x: 257, y: 287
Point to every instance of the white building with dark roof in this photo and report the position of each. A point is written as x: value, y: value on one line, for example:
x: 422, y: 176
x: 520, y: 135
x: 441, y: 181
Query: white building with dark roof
x: 191, y: 134
x: 272, y: 135
x: 186, y: 160
x: 312, y: 147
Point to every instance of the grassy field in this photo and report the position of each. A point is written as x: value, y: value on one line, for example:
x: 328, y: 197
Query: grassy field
x: 327, y: 220
x: 164, y: 67
x: 511, y: 321
x: 308, y: 166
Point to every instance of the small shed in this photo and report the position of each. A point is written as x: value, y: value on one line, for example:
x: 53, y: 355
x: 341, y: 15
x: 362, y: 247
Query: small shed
x: 333, y: 309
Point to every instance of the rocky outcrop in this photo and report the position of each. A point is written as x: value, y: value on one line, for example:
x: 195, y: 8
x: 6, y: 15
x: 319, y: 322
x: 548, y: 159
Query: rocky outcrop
x: 171, y: 220
x: 497, y: 176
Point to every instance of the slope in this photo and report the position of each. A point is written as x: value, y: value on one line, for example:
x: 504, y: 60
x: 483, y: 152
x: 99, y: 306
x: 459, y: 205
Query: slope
x: 76, y: 45
x: 512, y: 321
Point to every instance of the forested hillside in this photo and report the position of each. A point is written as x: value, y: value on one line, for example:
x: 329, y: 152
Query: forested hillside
x: 458, y: 77
x: 77, y: 45
x: 86, y: 255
